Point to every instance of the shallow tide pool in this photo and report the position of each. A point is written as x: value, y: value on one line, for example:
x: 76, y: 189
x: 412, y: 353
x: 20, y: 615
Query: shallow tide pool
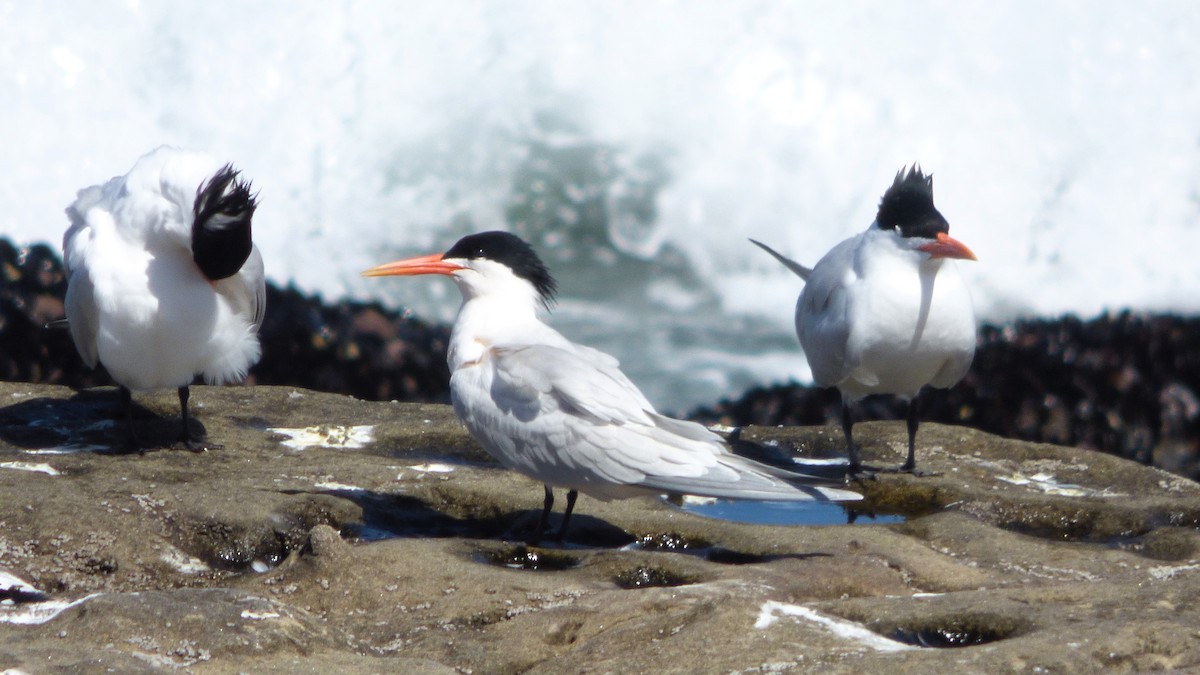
x: 782, y: 513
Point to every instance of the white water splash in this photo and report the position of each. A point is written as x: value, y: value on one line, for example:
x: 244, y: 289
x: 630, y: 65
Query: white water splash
x: 779, y: 121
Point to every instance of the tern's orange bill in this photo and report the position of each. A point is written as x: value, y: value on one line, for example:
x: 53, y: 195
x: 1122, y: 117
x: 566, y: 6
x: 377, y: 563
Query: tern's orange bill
x: 426, y: 264
x: 948, y: 247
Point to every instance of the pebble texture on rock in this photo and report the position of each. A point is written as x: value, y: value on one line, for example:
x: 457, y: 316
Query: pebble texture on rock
x: 336, y: 535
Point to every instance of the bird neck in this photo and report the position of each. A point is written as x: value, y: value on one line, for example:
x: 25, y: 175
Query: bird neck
x: 488, y: 320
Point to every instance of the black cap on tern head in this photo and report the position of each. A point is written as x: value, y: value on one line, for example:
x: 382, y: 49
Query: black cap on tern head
x: 908, y: 206
x: 510, y: 250
x: 221, y: 238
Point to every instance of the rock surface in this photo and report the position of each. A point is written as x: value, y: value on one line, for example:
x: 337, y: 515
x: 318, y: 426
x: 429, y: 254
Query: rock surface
x: 391, y: 548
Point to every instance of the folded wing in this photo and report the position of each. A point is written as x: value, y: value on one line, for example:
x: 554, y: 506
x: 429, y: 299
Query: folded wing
x: 577, y: 410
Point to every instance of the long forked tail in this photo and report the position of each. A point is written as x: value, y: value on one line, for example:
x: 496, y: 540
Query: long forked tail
x: 733, y: 476
x: 800, y: 270
x: 738, y: 477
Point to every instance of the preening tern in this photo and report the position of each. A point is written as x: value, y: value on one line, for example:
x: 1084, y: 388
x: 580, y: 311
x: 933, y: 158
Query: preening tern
x: 164, y: 281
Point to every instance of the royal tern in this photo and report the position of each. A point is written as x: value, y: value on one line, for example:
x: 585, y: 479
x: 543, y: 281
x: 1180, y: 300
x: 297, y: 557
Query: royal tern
x: 164, y: 282
x: 564, y: 414
x: 884, y: 312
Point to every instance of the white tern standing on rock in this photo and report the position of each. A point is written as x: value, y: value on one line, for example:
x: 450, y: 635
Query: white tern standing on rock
x: 886, y: 311
x: 563, y: 413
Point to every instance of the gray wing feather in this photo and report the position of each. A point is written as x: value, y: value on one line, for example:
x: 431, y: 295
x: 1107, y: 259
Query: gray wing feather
x: 253, y: 274
x: 822, y: 314
x: 595, y: 420
x: 246, y: 291
x: 579, y: 382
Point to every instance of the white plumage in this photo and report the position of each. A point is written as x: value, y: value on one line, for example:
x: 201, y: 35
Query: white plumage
x: 886, y: 311
x: 564, y: 413
x: 138, y: 300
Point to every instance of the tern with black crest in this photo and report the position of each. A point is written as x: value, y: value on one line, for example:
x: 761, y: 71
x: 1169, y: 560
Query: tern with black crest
x: 164, y: 281
x: 886, y: 311
x: 564, y: 414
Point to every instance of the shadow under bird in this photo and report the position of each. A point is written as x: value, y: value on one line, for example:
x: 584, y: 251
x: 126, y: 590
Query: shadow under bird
x: 885, y: 311
x: 564, y: 414
x: 164, y: 281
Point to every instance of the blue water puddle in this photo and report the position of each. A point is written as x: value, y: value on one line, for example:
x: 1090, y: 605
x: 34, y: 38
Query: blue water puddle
x: 368, y: 533
x: 734, y: 510
x: 782, y: 513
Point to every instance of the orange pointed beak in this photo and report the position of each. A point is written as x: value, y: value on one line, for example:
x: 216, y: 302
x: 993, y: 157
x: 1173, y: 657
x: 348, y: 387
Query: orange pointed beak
x: 426, y: 264
x: 948, y: 247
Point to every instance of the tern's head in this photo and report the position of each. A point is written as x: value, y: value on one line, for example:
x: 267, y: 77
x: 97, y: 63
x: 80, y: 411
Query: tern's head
x: 488, y: 263
x: 907, y: 209
x: 221, y: 237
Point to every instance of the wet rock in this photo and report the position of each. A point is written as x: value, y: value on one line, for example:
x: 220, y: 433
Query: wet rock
x: 337, y: 535
x: 361, y: 349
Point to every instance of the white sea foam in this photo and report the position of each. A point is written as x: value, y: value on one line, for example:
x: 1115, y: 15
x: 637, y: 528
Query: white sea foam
x: 327, y: 436
x: 340, y: 487
x: 432, y: 467
x: 1047, y: 483
x: 853, y: 632
x: 782, y: 121
x: 38, y: 467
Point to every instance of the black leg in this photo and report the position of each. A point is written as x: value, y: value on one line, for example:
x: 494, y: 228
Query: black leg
x: 127, y: 403
x: 186, y: 438
x: 847, y: 426
x: 184, y: 395
x: 913, y: 422
x: 547, y: 504
x: 571, y: 497
x: 127, y: 406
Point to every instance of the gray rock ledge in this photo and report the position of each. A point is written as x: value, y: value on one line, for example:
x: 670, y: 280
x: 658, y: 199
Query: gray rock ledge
x: 385, y: 550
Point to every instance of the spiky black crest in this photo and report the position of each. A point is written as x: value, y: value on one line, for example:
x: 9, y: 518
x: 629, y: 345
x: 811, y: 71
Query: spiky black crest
x: 908, y: 206
x: 221, y: 236
x: 510, y: 250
